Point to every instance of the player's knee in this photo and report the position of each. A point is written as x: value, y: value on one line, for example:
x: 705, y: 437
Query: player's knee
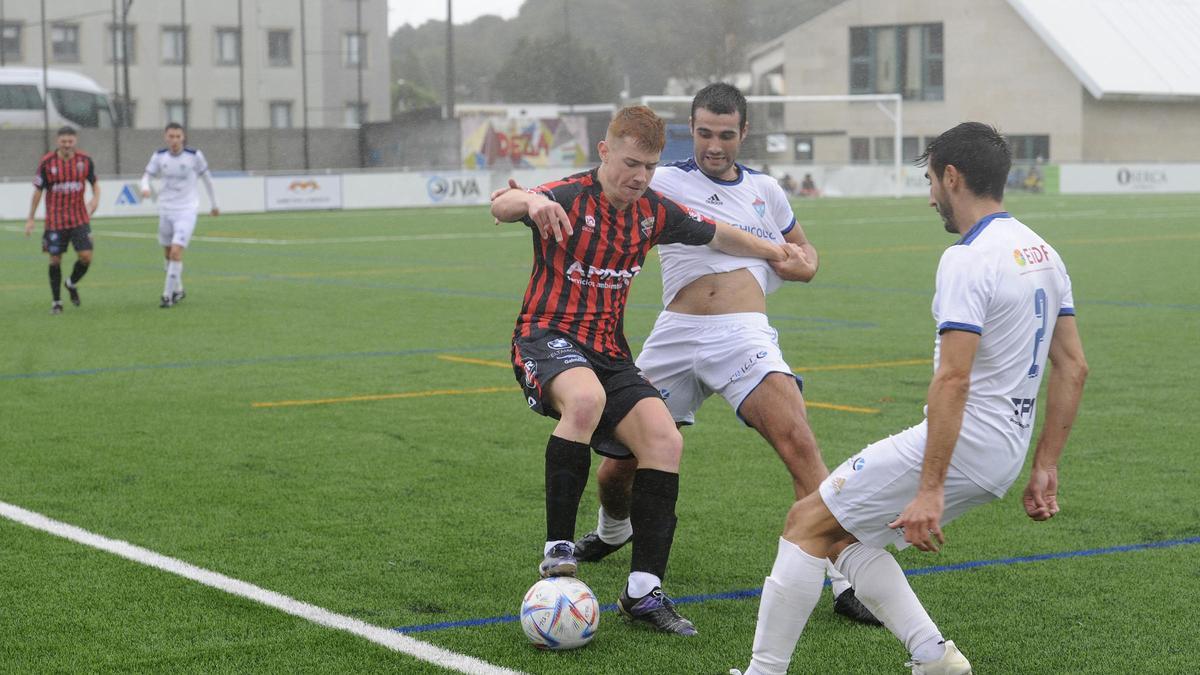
x: 803, y: 516
x: 665, y: 446
x: 584, y: 406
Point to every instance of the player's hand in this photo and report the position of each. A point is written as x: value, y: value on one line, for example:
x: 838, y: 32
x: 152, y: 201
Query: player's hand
x: 797, y: 266
x: 512, y: 185
x: 1041, y: 494
x: 550, y: 219
x: 215, y: 212
x: 922, y: 520
x: 145, y: 194
x: 92, y: 205
x: 28, y: 226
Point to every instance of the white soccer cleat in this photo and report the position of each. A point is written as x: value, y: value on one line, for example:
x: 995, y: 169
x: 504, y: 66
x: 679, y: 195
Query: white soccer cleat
x: 952, y: 663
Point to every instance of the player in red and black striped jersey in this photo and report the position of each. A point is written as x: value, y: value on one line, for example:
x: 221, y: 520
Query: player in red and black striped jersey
x: 63, y: 174
x: 591, y: 233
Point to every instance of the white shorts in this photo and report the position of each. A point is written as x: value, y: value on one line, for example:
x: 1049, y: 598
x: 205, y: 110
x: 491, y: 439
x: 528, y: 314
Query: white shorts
x: 872, y: 488
x: 175, y: 228
x: 689, y: 357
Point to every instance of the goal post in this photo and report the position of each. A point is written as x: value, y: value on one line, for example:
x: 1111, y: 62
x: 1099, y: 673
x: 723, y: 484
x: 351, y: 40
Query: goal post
x: 894, y: 112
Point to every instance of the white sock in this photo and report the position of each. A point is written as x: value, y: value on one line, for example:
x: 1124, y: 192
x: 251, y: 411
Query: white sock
x: 641, y: 583
x: 551, y: 544
x: 881, y: 586
x: 174, y: 272
x: 837, y: 580
x: 613, y: 530
x: 788, y: 598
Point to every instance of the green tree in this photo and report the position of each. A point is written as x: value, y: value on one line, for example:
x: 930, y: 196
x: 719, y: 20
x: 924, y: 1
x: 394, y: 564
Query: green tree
x: 553, y: 70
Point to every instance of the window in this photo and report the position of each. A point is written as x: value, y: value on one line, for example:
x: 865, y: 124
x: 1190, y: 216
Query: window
x: 905, y: 60
x: 174, y: 46
x: 910, y: 147
x: 176, y: 111
x: 355, y: 114
x: 229, y: 114
x: 228, y: 49
x: 10, y: 41
x: 860, y: 150
x: 281, y: 114
x: 885, y: 149
x: 279, y: 48
x: 354, y: 49
x: 1027, y: 149
x: 804, y: 148
x: 20, y: 97
x: 64, y: 42
x: 118, y: 41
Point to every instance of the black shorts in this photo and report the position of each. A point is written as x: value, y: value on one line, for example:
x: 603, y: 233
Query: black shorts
x: 537, y: 359
x: 55, y: 242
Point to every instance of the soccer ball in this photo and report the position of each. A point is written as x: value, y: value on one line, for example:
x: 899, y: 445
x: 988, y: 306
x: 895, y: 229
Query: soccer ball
x: 560, y: 613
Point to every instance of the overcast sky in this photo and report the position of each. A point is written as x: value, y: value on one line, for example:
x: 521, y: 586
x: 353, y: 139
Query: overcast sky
x: 417, y: 12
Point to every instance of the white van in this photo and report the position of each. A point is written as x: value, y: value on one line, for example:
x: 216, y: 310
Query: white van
x: 74, y: 99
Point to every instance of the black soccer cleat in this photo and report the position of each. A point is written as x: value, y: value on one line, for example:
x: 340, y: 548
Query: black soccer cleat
x: 592, y: 548
x: 559, y: 562
x: 166, y: 302
x: 56, y: 309
x: 73, y: 291
x: 657, y: 611
x: 178, y: 296
x: 849, y: 606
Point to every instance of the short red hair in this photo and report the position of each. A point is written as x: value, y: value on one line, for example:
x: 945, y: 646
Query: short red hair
x: 640, y: 123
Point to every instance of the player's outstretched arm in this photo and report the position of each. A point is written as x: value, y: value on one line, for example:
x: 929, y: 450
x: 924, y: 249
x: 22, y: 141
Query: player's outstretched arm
x: 549, y: 216
x: 730, y: 240
x: 1068, y: 372
x: 922, y: 518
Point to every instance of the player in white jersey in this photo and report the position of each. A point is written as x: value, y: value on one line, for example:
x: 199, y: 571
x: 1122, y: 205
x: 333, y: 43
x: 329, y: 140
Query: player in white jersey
x: 1002, y: 306
x: 180, y: 167
x: 714, y: 336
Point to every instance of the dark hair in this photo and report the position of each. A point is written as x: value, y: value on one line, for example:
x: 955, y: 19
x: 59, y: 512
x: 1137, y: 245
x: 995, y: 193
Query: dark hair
x: 722, y: 99
x: 979, y: 153
x: 173, y: 125
x: 67, y: 131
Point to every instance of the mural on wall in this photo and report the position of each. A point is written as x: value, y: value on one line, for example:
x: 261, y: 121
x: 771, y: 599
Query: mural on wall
x: 524, y: 143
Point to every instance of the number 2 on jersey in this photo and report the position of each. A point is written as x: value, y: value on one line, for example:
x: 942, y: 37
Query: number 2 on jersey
x: 1039, y: 310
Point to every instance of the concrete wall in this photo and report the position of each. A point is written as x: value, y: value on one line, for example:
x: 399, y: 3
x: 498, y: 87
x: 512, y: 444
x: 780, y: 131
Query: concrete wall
x: 996, y: 70
x: 266, y: 149
x: 1125, y: 131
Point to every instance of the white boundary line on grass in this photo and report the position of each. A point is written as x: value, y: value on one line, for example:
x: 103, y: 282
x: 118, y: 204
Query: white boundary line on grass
x: 437, y: 236
x: 381, y: 636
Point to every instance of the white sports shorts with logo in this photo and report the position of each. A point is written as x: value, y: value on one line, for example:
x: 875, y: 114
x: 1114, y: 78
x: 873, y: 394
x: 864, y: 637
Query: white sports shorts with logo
x: 175, y: 228
x: 690, y: 357
x: 872, y: 488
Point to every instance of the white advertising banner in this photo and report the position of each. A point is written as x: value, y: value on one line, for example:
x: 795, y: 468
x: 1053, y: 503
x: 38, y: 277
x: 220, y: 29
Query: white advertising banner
x: 1128, y: 178
x: 296, y: 193
x: 390, y: 190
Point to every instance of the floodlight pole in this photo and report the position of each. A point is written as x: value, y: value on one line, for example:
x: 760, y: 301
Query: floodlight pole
x: 879, y: 99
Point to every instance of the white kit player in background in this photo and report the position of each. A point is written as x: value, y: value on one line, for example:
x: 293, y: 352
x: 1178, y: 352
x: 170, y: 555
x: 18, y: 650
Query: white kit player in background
x: 1002, y: 305
x: 179, y: 167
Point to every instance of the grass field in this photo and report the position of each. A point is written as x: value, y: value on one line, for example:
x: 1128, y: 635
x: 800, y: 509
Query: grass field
x: 401, y: 484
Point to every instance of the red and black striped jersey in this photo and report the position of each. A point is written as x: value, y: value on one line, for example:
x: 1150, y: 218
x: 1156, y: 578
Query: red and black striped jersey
x: 62, y: 180
x: 580, y: 287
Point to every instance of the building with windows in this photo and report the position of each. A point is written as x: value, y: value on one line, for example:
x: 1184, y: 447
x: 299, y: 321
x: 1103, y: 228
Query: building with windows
x: 217, y: 63
x: 1065, y: 80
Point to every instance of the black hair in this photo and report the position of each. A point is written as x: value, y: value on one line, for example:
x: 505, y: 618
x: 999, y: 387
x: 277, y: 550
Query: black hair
x: 67, y: 131
x: 722, y: 99
x: 979, y: 153
x: 173, y: 125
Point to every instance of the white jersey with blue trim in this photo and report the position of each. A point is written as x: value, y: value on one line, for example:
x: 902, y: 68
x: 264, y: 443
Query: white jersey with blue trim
x: 1005, y: 283
x: 753, y: 202
x: 179, y: 174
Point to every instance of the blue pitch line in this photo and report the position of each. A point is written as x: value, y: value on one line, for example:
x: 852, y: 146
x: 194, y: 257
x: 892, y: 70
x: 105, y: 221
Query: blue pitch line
x: 755, y: 592
x: 219, y: 363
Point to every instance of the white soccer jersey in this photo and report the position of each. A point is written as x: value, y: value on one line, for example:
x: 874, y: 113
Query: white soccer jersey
x: 1005, y: 283
x: 753, y: 202
x: 179, y: 174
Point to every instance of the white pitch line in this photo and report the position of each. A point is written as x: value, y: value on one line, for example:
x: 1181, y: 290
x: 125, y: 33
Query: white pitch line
x: 382, y: 636
x: 333, y: 240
